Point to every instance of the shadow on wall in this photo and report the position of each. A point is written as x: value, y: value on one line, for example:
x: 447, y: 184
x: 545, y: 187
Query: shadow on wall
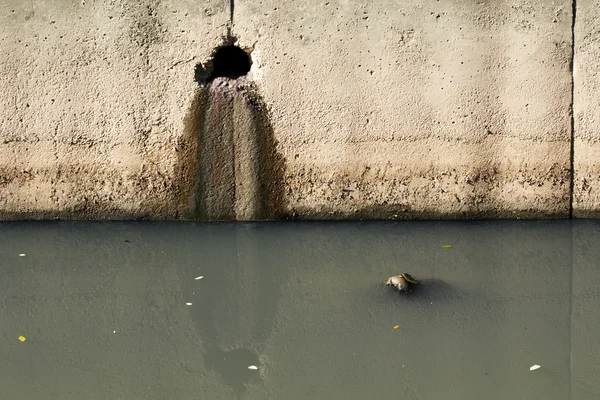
x: 228, y: 166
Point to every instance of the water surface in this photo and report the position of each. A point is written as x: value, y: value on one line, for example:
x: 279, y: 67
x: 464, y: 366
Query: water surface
x: 103, y: 309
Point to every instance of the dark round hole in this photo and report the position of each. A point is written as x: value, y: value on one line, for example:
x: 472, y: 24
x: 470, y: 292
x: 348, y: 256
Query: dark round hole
x: 230, y: 62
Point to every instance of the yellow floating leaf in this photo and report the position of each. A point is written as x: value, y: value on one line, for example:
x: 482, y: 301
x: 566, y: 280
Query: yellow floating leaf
x: 446, y: 246
x: 396, y: 326
x: 402, y: 365
x: 22, y: 338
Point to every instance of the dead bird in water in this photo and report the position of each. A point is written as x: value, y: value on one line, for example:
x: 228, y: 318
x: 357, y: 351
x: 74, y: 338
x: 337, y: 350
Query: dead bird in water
x: 402, y: 282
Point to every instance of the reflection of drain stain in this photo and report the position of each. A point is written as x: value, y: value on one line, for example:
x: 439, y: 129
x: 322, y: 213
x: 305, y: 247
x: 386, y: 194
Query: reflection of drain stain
x: 235, y: 308
x: 228, y: 166
x: 232, y: 366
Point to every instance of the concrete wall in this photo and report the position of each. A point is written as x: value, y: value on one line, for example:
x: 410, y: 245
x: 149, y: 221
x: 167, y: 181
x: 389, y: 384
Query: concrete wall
x: 413, y: 109
x: 586, y: 111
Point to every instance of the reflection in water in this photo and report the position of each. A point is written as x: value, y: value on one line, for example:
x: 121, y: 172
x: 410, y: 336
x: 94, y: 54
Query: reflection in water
x: 242, y: 299
x: 232, y: 367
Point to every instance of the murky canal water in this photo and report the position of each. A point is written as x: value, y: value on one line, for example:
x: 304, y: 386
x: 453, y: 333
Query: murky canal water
x: 102, y: 307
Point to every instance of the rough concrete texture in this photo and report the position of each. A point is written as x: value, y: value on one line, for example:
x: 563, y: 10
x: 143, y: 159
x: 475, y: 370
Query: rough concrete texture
x: 419, y: 109
x: 94, y: 97
x: 586, y: 162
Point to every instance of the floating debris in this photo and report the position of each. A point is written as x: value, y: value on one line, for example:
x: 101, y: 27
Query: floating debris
x: 253, y: 367
x: 199, y: 277
x: 396, y: 326
x: 22, y: 255
x: 401, y: 282
x: 114, y: 331
x: 534, y: 367
x: 22, y: 338
x: 188, y: 304
x: 446, y: 246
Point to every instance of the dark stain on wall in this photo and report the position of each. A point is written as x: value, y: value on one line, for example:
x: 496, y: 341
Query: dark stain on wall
x: 228, y: 165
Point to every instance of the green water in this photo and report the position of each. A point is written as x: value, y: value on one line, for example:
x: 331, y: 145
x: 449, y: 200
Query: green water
x: 103, y: 309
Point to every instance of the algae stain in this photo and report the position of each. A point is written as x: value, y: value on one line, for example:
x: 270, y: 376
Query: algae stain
x: 187, y: 166
x: 228, y: 165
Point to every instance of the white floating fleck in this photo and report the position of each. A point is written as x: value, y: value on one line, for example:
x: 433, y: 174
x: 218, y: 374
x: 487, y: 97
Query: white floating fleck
x: 188, y: 304
x: 22, y: 255
x: 534, y: 367
x: 199, y: 277
x: 253, y: 367
x: 114, y: 331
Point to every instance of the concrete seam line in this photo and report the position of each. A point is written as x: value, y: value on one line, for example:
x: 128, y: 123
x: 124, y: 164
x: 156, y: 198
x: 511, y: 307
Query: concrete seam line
x: 573, y: 20
x: 572, y: 68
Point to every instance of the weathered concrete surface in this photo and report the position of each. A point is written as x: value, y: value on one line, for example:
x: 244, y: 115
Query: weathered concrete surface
x: 586, y: 162
x: 423, y: 109
x: 94, y: 97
